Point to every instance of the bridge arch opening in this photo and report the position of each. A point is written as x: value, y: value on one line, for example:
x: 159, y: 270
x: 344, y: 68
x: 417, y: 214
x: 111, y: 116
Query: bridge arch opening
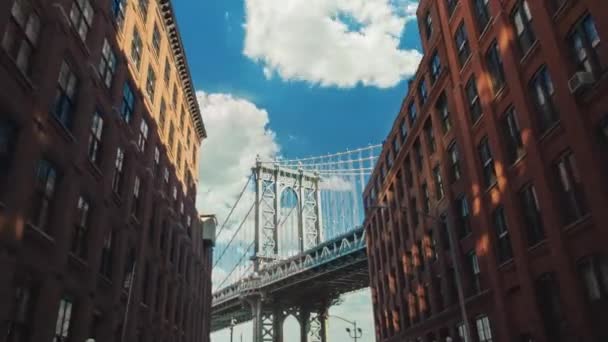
x: 288, y: 235
x: 290, y: 325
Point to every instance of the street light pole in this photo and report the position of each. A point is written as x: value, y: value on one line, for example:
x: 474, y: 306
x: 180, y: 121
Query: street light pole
x: 457, y: 274
x: 356, y: 333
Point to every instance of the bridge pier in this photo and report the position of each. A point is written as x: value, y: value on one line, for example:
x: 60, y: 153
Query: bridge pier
x: 313, y: 325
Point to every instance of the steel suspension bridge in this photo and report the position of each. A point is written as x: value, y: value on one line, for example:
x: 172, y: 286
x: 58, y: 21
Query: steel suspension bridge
x: 292, y: 244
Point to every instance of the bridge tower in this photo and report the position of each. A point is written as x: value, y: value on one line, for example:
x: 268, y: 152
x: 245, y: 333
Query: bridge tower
x: 270, y: 183
x: 271, y: 180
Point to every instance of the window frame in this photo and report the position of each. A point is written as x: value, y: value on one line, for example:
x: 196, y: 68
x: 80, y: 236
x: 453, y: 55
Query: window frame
x: 512, y: 135
x: 47, y: 179
x: 127, y: 108
x: 20, y: 39
x: 151, y: 83
x: 526, y: 37
x: 531, y: 216
x: 486, y: 161
x: 66, y: 93
x: 463, y: 217
x: 63, y: 322
x: 435, y: 67
x: 81, y: 17
x: 541, y: 84
x: 118, y: 171
x: 136, y: 48
x: 569, y: 186
x: 503, y: 238
x: 588, y: 46
x: 107, y: 64
x: 81, y: 228
x: 455, y: 169
x: 495, y: 66
x: 473, y: 99
x: 462, y: 44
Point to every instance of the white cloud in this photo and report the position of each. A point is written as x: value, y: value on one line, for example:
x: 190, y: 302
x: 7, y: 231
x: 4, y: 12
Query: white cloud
x: 331, y: 42
x: 238, y: 131
x: 336, y: 183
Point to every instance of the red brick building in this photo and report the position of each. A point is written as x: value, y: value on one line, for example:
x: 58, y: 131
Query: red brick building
x: 503, y: 139
x: 99, y: 234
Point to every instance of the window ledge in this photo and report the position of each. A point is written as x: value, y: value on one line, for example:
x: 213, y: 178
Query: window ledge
x: 538, y: 247
x: 95, y: 171
x: 531, y: 51
x: 507, y: 265
x: 560, y: 12
x: 60, y: 127
x: 518, y: 161
x: 477, y: 122
x: 39, y: 234
x: 116, y: 198
x: 22, y: 78
x: 105, y: 281
x: 78, y: 261
x: 486, y: 29
x: 578, y: 224
x: 502, y: 92
x: 492, y: 186
x: 550, y: 131
x: 466, y: 63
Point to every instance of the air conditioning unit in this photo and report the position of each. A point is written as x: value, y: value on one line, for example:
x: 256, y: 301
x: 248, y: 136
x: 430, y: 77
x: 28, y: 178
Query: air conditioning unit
x: 579, y: 81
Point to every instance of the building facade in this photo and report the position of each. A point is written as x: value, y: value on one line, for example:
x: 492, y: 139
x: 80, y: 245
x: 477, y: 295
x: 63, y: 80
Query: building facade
x: 99, y: 138
x: 502, y: 140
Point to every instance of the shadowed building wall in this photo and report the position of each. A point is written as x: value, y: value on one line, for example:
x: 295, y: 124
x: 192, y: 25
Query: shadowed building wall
x: 503, y: 133
x: 99, y: 139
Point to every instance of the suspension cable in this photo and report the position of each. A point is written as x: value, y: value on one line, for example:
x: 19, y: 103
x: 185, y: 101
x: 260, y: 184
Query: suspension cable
x: 233, y: 236
x: 236, y: 266
x: 234, y: 206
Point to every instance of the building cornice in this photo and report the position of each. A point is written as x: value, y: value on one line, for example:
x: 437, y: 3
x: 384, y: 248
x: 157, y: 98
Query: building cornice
x: 176, y: 44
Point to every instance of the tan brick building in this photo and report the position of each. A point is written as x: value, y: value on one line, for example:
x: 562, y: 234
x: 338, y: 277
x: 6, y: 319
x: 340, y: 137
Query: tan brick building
x: 99, y: 138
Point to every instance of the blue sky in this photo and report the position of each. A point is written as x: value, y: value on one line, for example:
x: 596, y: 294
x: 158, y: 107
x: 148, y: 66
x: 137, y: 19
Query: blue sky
x: 294, y: 78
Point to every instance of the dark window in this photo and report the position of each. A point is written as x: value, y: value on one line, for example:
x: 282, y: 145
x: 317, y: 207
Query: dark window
x: 129, y: 275
x: 118, y: 11
x: 107, y: 64
x: 156, y: 38
x: 414, y: 210
x: 412, y: 112
x: 482, y: 14
x: 81, y: 229
x: 494, y: 61
x: 143, y: 7
x: 594, y: 275
x: 167, y: 72
x: 418, y: 158
x: 118, y: 169
x: 403, y: 130
x: 584, y: 42
x: 388, y: 157
x: 474, y: 272
x: 428, y: 25
x: 8, y: 139
x: 549, y: 305
x: 64, y: 320
x: 136, y: 48
x: 439, y: 190
x: 128, y: 103
x: 174, y: 96
x: 454, y: 162
x: 65, y: 95
x: 484, y: 332
x: 135, y: 205
x: 46, y: 182
x: 20, y: 314
x: 171, y: 137
x: 156, y: 161
x: 143, y: 135
x: 473, y: 99
x: 541, y: 88
x: 522, y: 20
x: 151, y: 83
x: 430, y: 136
x: 105, y: 267
x: 422, y: 92
x: 408, y: 172
x: 161, y: 115
x: 463, y: 217
x: 512, y: 134
x: 396, y: 145
x: 503, y: 241
x: 462, y: 44
x: 531, y: 215
x: 426, y: 198
x: 443, y: 223
x: 435, y: 67
x: 451, y: 4
x: 570, y: 188
x: 487, y: 162
x: 444, y: 114
x: 81, y: 17
x: 95, y: 135
x: 21, y: 36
